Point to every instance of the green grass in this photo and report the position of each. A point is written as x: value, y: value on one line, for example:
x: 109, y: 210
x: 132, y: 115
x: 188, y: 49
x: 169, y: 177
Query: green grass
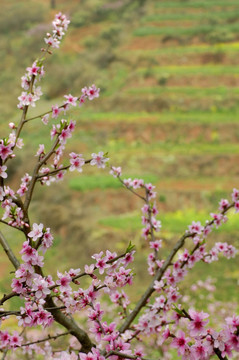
x: 177, y: 16
x: 103, y: 182
x: 157, y: 148
x: 196, y: 117
x: 228, y: 49
x: 187, y: 70
x: 173, y: 223
x: 184, y: 90
x: 195, y: 4
x: 202, y: 29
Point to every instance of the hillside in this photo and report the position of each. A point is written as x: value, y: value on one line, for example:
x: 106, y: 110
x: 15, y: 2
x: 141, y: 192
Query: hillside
x: 168, y: 110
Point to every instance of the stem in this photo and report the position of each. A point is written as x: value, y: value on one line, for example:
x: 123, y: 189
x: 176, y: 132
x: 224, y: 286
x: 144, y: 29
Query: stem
x: 9, y: 251
x: 131, y: 190
x: 219, y: 354
x: 35, y: 175
x: 46, y: 339
x: 7, y: 297
x: 142, y: 302
x: 70, y: 325
x: 125, y: 356
x: 13, y: 227
x: 54, y: 172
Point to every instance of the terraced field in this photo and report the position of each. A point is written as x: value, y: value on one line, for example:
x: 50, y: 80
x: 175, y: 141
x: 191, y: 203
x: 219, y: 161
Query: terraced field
x: 169, y: 108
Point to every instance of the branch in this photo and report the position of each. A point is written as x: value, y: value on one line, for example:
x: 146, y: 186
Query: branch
x: 70, y: 325
x: 54, y: 172
x: 46, y: 339
x: 7, y: 297
x: 47, y: 112
x: 9, y: 251
x: 142, y: 302
x: 95, y: 268
x: 35, y: 174
x: 131, y: 190
x: 14, y: 227
x: 219, y: 354
x: 151, y: 289
x: 125, y: 356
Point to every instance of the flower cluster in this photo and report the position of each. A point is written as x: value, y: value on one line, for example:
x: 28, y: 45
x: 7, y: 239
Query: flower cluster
x: 60, y: 25
x: 161, y: 318
x: 99, y: 160
x: 8, y: 341
x: 32, y: 93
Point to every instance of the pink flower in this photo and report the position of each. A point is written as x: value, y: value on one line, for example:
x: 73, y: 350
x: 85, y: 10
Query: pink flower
x: 89, y: 269
x: 17, y: 286
x: 36, y: 232
x: 3, y: 174
x: 82, y: 100
x: 2, y: 194
x: 71, y: 100
x: 200, y: 350
x: 33, y: 70
x: 92, y: 92
x: 41, y: 150
x: 233, y: 322
x: 99, y: 160
x: 180, y: 342
x: 65, y: 134
x: 5, y: 150
x: 223, y: 205
x: 15, y: 340
x: 64, y: 281
x: 237, y: 206
x: 157, y: 244
x: 196, y: 227
x: 5, y: 339
x: 47, y: 240
x: 115, y: 171
x: 76, y: 162
x: 55, y: 111
x: 45, y: 119
x: 235, y: 195
x: 197, y: 323
x: 53, y: 42
x: 40, y: 287
x: 12, y: 125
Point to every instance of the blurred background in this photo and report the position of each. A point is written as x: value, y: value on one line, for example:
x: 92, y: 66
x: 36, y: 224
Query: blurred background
x: 167, y: 112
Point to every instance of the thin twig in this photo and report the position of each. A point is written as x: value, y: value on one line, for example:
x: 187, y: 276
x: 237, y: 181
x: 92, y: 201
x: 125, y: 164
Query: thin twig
x: 124, y: 356
x: 46, y: 339
x: 7, y: 297
x: 142, y: 302
x: 9, y: 251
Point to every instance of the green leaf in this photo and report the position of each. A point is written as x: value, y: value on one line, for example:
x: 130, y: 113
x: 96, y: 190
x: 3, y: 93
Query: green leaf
x: 130, y: 247
x: 180, y: 312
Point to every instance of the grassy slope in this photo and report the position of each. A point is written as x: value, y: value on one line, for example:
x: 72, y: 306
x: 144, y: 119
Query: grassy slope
x: 168, y: 108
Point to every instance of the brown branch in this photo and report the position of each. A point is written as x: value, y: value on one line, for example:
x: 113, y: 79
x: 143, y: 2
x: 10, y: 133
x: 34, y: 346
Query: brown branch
x: 70, y: 325
x: 23, y: 117
x: 142, y: 302
x: 54, y: 172
x: 219, y: 354
x: 47, y: 112
x: 46, y: 339
x: 35, y: 174
x: 131, y: 190
x: 4, y: 354
x: 9, y: 251
x: 124, y: 356
x: 7, y: 297
x: 95, y: 268
x: 13, y: 227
